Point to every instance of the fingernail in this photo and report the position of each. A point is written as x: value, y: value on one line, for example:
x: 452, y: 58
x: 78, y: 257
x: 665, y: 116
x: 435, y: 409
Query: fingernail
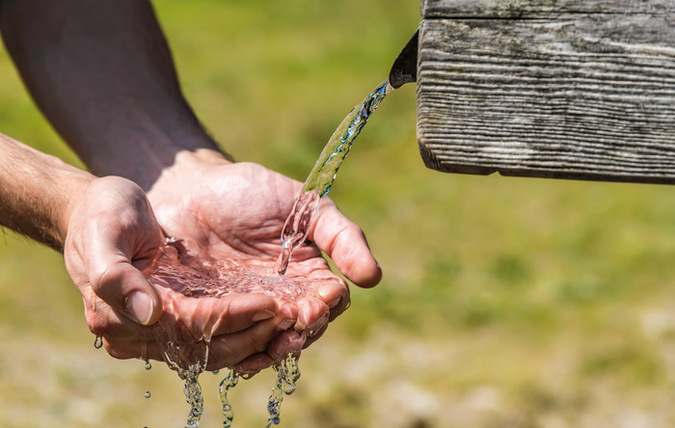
x: 296, y: 341
x: 265, y: 314
x: 318, y: 324
x: 334, y: 302
x: 139, y: 306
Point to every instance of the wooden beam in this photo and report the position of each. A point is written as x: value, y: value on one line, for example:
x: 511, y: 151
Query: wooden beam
x: 563, y: 88
x: 465, y: 9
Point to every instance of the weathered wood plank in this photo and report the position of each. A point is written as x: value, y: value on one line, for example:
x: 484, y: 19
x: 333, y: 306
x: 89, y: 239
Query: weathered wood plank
x: 589, y: 96
x: 539, y: 8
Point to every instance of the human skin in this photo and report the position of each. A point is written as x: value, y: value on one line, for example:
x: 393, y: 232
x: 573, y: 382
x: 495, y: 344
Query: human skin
x: 102, y: 74
x: 108, y: 233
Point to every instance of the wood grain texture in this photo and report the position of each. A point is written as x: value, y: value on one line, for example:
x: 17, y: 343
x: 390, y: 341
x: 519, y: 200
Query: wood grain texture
x: 540, y: 8
x: 587, y: 96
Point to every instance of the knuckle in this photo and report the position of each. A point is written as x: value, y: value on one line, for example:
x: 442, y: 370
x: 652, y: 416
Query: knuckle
x: 256, y: 344
x: 105, y: 277
x: 98, y: 324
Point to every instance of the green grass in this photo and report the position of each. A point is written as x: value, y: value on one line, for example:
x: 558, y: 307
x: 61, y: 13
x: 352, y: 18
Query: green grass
x: 505, y: 303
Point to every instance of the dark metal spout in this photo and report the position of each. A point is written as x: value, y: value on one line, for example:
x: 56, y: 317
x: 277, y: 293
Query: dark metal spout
x: 404, y: 69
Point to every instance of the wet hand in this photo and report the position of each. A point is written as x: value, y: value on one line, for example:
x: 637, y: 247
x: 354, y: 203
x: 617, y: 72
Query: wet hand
x: 112, y: 236
x: 236, y: 211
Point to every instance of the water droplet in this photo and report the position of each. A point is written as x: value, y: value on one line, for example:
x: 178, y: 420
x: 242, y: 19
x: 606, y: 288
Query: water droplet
x: 147, y: 394
x: 287, y: 375
x: 147, y: 365
x: 98, y: 342
x: 229, y: 381
x: 215, y: 372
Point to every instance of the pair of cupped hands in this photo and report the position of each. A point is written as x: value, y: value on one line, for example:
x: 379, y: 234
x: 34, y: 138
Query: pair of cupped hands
x: 219, y: 210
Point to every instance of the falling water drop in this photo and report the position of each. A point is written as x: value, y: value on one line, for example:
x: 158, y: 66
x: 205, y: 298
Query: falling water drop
x: 148, y: 365
x: 98, y: 342
x: 147, y: 394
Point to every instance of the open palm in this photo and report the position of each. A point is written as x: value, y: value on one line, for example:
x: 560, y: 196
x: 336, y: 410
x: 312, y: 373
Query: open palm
x: 235, y: 212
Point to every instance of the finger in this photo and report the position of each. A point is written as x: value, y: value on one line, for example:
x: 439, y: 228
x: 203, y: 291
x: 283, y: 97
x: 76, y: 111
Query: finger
x: 346, y: 244
x: 288, y: 342
x: 253, y: 364
x: 334, y: 292
x: 242, y: 311
x: 126, y: 349
x: 115, y: 280
x: 208, y: 317
x: 226, y: 350
x: 232, y: 349
x: 312, y: 314
x: 105, y: 322
x: 309, y: 339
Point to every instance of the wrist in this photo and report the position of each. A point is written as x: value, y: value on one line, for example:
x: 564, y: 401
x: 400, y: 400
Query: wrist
x: 142, y: 158
x: 190, y: 159
x: 76, y: 183
x: 37, y: 192
x: 186, y: 164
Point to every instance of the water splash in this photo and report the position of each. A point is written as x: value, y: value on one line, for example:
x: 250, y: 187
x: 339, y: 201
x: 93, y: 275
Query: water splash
x: 295, y: 229
x: 288, y: 373
x: 188, y: 360
x: 321, y: 178
x: 230, y: 381
x: 194, y: 396
x: 175, y: 270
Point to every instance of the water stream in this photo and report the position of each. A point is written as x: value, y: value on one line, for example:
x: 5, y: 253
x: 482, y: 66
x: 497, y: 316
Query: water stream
x: 321, y: 178
x: 176, y: 273
x: 217, y: 278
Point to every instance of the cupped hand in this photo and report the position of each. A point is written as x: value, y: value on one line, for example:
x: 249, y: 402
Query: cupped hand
x: 236, y: 211
x: 112, y: 236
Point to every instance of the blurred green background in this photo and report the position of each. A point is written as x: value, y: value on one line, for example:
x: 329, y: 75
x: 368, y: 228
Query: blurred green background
x: 505, y: 302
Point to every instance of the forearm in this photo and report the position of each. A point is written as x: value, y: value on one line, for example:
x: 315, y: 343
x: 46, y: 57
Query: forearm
x: 102, y: 73
x: 35, y: 192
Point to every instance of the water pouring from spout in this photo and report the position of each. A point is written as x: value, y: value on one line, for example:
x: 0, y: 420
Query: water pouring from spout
x: 322, y: 176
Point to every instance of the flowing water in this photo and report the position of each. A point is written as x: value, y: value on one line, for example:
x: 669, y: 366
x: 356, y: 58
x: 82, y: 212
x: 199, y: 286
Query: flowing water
x: 230, y: 381
x: 288, y: 374
x: 218, y: 278
x: 176, y: 271
x: 322, y: 176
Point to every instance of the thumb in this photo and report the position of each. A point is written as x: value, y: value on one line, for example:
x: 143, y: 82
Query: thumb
x: 117, y: 282
x: 345, y: 243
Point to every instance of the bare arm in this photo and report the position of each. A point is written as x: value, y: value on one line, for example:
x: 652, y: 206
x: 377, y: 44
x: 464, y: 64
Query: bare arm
x: 35, y: 191
x: 102, y: 73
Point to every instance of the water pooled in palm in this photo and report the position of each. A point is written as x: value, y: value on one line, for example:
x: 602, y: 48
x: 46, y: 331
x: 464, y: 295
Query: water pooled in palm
x: 322, y: 176
x: 175, y: 271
